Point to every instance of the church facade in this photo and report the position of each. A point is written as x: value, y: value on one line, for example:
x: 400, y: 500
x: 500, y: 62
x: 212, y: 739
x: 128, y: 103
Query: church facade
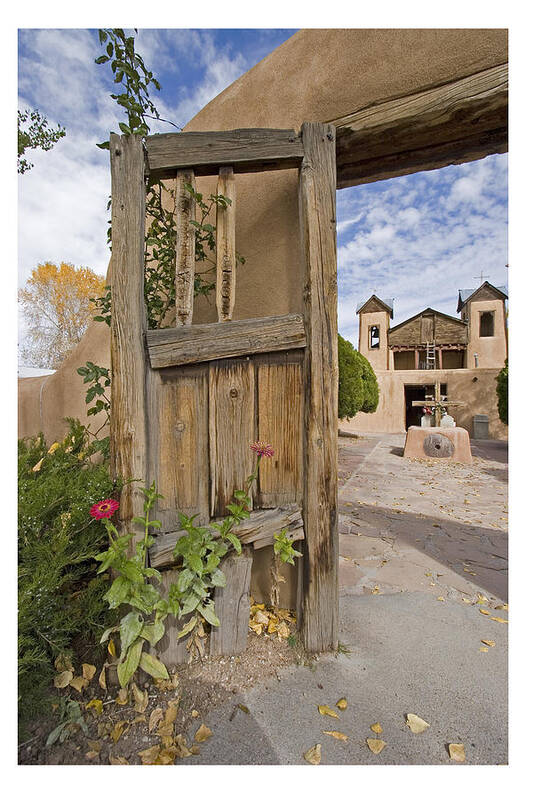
x: 433, y: 355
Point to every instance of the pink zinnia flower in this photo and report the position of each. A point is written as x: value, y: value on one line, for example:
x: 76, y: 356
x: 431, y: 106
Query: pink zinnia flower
x: 104, y: 509
x: 262, y: 449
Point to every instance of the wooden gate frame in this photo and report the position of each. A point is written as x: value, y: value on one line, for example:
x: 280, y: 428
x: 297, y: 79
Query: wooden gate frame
x: 246, y: 150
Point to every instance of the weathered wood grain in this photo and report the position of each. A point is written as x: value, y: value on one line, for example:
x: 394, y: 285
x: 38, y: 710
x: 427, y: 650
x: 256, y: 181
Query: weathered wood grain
x: 225, y: 276
x: 459, y: 121
x: 232, y: 606
x: 280, y: 412
x: 317, y: 220
x: 258, y: 531
x: 178, y: 443
x: 169, y: 649
x: 185, y: 248
x: 170, y: 347
x: 231, y: 429
x: 246, y: 150
x: 128, y: 323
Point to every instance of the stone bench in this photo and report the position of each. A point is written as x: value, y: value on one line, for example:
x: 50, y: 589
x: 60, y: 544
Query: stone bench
x: 450, y: 444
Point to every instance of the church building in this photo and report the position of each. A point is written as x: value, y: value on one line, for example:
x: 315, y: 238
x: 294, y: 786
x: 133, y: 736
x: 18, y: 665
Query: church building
x: 436, y: 356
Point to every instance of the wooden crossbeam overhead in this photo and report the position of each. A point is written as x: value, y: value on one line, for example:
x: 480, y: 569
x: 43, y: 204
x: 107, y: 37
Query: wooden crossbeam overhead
x: 171, y: 347
x: 449, y: 124
x: 246, y: 150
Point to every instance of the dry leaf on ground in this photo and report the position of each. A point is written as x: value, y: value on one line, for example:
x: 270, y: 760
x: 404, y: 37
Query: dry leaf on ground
x: 118, y: 730
x: 376, y: 728
x: 283, y: 631
x: 63, y: 679
x: 327, y: 711
x: 122, y: 697
x: 314, y: 754
x: 102, y: 680
x: 79, y: 683
x: 149, y: 755
x: 457, y: 752
x: 376, y: 745
x: 342, y: 704
x: 96, y: 704
x: 416, y: 723
x: 337, y: 735
x: 118, y: 760
x: 63, y: 663
x: 140, y: 698
x: 489, y: 642
x: 88, y: 671
x: 203, y: 733
x: 500, y: 619
x: 484, y: 611
x: 155, y: 717
x: 483, y: 649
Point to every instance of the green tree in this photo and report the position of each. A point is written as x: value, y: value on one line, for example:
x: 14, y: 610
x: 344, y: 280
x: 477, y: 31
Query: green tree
x: 36, y: 134
x: 502, y: 391
x: 358, y: 387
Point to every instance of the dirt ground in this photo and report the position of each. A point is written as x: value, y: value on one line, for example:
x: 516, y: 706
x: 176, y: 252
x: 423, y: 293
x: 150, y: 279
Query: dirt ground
x: 405, y: 526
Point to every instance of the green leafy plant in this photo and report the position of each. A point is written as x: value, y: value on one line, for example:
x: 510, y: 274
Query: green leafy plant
x: 284, y: 553
x: 502, y: 382
x: 36, y: 135
x: 71, y: 717
x: 60, y: 596
x: 99, y: 379
x: 358, y: 386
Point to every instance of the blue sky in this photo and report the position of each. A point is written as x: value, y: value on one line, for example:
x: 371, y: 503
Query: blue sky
x: 418, y: 238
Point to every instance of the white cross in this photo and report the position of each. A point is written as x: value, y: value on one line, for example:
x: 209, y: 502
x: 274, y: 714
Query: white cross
x: 481, y: 277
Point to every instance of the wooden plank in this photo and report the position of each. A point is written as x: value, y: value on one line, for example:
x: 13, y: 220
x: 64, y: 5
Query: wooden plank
x: 232, y: 606
x: 459, y: 121
x: 280, y: 411
x: 128, y: 324
x: 210, y: 342
x: 169, y: 649
x: 231, y: 429
x: 246, y: 150
x: 258, y: 530
x: 225, y: 281
x: 178, y: 444
x: 317, y: 219
x: 185, y: 248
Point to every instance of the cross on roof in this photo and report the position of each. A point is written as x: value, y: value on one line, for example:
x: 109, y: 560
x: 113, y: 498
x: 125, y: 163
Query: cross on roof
x: 481, y: 277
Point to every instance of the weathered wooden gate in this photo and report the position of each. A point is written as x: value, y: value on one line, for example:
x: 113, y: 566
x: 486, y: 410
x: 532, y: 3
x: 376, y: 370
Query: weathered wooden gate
x: 188, y: 401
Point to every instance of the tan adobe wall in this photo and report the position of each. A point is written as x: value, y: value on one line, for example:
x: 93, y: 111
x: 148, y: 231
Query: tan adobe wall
x: 477, y: 388
x: 317, y: 75
x: 379, y: 357
x: 491, y: 350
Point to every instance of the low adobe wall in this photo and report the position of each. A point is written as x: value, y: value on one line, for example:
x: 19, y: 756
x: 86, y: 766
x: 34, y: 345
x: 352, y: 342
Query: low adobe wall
x: 477, y: 387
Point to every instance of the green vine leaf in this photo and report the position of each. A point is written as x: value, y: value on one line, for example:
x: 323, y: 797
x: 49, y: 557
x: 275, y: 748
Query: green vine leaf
x: 154, y: 667
x: 130, y: 628
x: 127, y: 667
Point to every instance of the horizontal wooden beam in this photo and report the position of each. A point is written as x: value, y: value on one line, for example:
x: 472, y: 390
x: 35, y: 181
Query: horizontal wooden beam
x: 450, y: 124
x: 258, y: 530
x: 246, y: 150
x: 171, y: 347
x: 396, y: 348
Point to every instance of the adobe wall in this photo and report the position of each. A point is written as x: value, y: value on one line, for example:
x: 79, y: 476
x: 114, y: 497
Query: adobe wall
x: 379, y: 357
x: 491, y: 350
x: 317, y: 75
x: 476, y: 387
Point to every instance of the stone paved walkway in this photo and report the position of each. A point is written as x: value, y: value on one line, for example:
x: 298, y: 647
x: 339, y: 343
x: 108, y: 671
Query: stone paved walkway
x: 413, y: 525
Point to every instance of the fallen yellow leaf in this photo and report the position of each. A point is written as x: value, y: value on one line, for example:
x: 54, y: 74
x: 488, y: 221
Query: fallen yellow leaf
x: 140, y: 698
x: 63, y: 679
x: 484, y: 611
x: 376, y: 728
x: 79, y: 683
x: 272, y: 626
x: 503, y: 607
x: 183, y: 750
x: 256, y: 628
x: 118, y: 760
x: 155, y: 717
x: 457, y: 752
x: 489, y: 642
x: 53, y: 448
x: 102, y: 680
x: 483, y: 649
x: 376, y: 745
x: 203, y: 733
x: 283, y: 631
x: 38, y: 465
x: 416, y: 723
x: 118, y: 730
x: 96, y: 704
x: 314, y: 754
x: 88, y: 671
x: 337, y: 735
x: 63, y: 663
x: 375, y: 590
x: 327, y: 711
x: 342, y: 704
x: 111, y: 649
x: 441, y: 599
x: 260, y: 618
x: 149, y: 755
x: 500, y: 619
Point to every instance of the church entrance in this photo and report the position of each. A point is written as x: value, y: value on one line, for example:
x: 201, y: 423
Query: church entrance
x: 413, y: 414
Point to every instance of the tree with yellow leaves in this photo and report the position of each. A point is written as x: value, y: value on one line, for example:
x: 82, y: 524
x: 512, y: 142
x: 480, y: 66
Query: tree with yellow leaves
x: 57, y: 309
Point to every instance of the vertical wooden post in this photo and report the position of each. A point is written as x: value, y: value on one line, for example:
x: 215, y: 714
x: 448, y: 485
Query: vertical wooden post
x: 185, y: 246
x: 439, y: 351
x: 437, y: 400
x: 320, y: 601
x: 128, y: 323
x: 225, y: 293
x: 417, y: 362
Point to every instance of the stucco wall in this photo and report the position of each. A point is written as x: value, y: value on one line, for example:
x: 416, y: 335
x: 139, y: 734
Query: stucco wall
x: 317, y: 75
x: 475, y: 387
x: 491, y: 350
x: 379, y: 357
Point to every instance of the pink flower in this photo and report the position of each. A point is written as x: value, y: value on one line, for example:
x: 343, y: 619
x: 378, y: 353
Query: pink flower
x: 104, y: 509
x: 262, y: 449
